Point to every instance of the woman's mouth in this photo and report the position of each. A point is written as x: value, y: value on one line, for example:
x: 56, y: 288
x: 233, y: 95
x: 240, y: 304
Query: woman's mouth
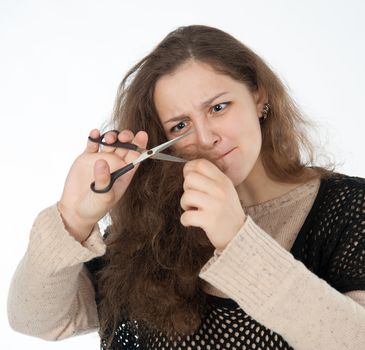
x: 227, y: 153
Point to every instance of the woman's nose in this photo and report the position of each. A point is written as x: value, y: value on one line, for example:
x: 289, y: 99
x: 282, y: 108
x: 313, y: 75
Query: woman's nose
x: 205, y: 135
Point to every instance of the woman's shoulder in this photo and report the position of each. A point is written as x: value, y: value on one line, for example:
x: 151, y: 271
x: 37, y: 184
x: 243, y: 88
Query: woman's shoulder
x: 341, y: 194
x: 344, y: 181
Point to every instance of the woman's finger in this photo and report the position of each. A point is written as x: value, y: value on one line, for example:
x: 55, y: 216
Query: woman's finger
x: 197, y: 181
x: 193, y: 218
x: 204, y: 167
x: 194, y: 199
x: 140, y: 139
x: 109, y: 138
x: 125, y: 136
x: 92, y: 147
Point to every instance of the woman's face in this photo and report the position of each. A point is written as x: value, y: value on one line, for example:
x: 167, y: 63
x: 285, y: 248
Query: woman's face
x: 221, y: 111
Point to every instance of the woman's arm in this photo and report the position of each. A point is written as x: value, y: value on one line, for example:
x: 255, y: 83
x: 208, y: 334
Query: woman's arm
x: 51, y: 295
x: 282, y: 294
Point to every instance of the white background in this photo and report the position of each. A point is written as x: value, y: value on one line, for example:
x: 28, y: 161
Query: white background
x: 61, y: 62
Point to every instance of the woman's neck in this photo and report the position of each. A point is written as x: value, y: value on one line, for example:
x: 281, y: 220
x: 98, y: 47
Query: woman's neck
x: 258, y: 187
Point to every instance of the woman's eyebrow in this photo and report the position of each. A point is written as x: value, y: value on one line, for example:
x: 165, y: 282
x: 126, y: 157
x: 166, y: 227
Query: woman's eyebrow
x: 210, y: 101
x: 203, y: 105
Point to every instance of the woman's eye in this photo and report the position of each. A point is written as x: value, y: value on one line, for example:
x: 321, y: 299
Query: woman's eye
x: 178, y: 127
x: 219, y: 107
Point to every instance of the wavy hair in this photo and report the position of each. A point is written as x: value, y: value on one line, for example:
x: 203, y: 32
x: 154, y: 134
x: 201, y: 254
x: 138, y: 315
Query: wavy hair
x: 152, y: 264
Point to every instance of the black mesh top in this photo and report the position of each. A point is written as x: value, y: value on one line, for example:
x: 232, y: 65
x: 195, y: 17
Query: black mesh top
x: 225, y: 326
x: 331, y: 243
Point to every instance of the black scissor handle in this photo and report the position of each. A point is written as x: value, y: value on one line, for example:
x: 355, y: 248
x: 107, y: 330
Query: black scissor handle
x: 117, y: 143
x: 113, y: 176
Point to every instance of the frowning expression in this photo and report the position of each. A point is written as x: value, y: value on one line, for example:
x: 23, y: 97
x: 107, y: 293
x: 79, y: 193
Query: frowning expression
x: 222, y: 112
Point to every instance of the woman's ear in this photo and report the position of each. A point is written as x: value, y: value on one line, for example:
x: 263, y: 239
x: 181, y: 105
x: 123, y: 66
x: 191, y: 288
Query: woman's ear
x: 260, y: 98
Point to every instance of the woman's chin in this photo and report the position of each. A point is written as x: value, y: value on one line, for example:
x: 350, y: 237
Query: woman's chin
x: 236, y: 177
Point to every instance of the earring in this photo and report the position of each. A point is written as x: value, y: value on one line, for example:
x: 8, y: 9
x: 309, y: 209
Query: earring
x: 265, y: 112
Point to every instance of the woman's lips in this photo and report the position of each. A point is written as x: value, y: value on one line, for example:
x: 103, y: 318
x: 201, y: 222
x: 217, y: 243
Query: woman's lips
x: 225, y: 154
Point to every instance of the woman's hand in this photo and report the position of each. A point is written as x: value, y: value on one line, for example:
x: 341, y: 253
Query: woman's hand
x: 79, y: 206
x: 211, y: 202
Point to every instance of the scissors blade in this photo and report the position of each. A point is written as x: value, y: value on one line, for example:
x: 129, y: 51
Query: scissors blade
x: 152, y: 152
x: 168, y: 157
x: 167, y: 144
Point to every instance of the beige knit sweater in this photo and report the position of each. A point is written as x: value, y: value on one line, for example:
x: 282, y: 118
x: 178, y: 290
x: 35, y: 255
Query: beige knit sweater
x: 51, y: 295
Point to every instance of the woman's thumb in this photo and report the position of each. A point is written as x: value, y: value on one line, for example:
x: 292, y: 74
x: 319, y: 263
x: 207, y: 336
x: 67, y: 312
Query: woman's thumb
x: 101, y: 174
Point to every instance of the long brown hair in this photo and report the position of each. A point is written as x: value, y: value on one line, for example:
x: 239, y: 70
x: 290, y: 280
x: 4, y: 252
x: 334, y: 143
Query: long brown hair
x: 153, y: 262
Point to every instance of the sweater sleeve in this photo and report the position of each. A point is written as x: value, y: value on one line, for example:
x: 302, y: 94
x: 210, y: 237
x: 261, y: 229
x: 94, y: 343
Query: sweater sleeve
x: 51, y: 295
x: 282, y: 294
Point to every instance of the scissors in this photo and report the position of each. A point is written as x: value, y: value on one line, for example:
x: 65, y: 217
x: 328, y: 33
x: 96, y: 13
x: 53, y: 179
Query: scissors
x: 154, y: 153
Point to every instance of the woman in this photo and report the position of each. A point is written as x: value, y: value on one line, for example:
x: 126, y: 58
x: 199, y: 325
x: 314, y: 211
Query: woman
x: 244, y: 247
